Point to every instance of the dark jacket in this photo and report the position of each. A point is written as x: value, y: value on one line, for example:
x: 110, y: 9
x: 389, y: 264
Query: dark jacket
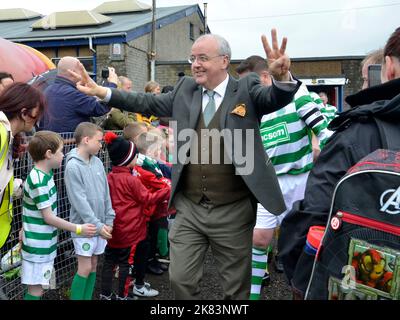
x: 67, y: 107
x: 358, y: 132
x: 118, y: 120
x: 184, y: 105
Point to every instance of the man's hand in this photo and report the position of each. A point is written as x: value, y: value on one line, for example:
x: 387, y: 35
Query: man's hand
x: 86, y: 84
x: 278, y: 61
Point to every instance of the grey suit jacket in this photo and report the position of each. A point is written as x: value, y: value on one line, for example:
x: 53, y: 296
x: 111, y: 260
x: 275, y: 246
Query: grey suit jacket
x: 184, y: 105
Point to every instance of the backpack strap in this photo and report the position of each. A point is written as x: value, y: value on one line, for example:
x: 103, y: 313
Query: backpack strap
x: 389, y: 133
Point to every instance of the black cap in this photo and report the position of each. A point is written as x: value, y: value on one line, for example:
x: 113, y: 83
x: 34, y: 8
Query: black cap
x: 120, y: 150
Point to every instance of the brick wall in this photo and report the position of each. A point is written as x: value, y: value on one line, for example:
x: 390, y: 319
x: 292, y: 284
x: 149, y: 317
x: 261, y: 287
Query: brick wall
x: 103, y: 60
x: 173, y: 42
x: 137, y: 63
x: 352, y: 70
x: 168, y: 74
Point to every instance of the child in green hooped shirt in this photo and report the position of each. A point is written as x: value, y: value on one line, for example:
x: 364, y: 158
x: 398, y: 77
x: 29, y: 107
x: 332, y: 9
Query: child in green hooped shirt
x: 39, y: 215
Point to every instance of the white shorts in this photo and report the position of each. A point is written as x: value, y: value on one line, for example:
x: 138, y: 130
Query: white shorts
x: 293, y: 187
x: 88, y: 247
x: 37, y: 273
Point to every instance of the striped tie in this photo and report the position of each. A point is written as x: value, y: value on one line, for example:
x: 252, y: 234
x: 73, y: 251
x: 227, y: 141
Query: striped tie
x: 209, y: 111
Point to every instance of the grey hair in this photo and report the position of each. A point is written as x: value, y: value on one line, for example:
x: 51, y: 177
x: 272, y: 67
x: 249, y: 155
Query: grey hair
x: 223, y: 45
x: 374, y: 57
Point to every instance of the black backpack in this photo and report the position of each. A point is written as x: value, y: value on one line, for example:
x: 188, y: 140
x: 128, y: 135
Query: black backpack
x: 359, y: 255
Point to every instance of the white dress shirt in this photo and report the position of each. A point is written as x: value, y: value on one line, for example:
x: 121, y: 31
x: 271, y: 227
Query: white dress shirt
x: 220, y: 91
x: 218, y: 96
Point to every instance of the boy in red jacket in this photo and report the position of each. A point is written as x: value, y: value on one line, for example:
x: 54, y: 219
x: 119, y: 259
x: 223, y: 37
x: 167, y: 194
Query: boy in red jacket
x: 150, y: 145
x: 129, y: 198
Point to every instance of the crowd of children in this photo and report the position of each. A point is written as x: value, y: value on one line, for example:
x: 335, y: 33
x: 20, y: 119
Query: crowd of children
x: 122, y: 215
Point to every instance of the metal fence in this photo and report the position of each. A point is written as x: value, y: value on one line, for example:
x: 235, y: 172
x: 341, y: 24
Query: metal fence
x: 65, y: 263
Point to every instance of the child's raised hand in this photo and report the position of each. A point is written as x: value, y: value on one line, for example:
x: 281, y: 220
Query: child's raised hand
x: 89, y: 230
x: 104, y: 233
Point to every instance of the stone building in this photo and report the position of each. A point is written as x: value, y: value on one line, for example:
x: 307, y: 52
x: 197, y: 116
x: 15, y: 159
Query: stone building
x: 118, y: 34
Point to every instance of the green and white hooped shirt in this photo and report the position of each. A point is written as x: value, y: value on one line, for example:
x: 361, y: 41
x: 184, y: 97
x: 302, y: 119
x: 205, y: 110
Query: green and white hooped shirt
x: 286, y: 134
x: 329, y: 112
x: 39, y: 242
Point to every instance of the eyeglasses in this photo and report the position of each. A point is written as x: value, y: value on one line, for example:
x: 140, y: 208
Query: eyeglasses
x: 202, y: 58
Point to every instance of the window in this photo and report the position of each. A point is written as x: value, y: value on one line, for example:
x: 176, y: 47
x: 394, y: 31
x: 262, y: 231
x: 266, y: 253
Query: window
x: 191, y: 31
x: 116, y: 51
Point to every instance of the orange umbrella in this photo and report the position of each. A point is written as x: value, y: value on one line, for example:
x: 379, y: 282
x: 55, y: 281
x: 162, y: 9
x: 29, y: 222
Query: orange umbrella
x: 40, y: 55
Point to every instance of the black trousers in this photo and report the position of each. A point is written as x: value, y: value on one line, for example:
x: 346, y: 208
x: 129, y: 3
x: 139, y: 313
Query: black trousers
x: 113, y: 257
x: 140, y: 261
x: 152, y: 238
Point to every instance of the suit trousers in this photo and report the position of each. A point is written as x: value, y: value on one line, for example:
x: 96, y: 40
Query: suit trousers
x: 228, y: 230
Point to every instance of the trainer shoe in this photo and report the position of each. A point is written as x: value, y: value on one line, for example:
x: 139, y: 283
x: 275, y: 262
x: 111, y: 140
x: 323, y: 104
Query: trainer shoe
x: 164, y: 259
x: 145, y: 291
x: 154, y: 268
x: 132, y: 283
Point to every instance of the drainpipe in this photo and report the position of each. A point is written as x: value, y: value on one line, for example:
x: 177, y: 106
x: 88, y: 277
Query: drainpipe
x: 153, y: 45
x: 205, y: 17
x: 91, y: 45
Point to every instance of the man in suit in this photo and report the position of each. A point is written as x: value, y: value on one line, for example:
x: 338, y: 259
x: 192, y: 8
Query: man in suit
x: 216, y: 199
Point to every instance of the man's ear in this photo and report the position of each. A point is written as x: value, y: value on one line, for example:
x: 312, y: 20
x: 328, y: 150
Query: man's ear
x: 226, y: 63
x: 265, y: 78
x: 396, y: 67
x: 389, y: 72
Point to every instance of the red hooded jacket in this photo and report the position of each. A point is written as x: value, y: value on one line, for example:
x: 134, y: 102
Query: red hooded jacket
x: 129, y: 199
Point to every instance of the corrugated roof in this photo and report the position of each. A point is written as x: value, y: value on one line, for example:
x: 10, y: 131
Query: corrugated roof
x: 121, y: 23
x: 70, y: 19
x: 121, y: 7
x: 17, y: 14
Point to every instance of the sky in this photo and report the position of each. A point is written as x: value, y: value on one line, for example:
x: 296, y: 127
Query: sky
x: 321, y: 28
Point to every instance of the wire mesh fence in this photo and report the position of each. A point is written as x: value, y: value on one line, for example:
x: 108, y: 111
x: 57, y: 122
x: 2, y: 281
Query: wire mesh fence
x: 65, y: 263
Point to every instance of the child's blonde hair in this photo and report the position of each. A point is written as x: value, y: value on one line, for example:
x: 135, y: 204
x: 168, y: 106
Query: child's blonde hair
x: 148, y: 142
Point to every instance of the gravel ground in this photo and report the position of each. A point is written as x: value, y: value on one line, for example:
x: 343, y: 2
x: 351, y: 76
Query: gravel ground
x: 210, y: 286
x: 211, y: 289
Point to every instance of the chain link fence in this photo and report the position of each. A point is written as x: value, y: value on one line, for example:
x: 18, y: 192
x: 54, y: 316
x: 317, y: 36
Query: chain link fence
x: 65, y: 263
